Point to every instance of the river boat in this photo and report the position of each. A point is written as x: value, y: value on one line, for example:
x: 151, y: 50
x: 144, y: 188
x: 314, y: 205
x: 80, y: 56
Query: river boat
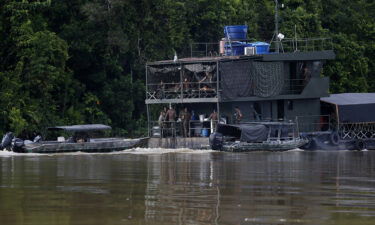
x: 256, y: 136
x: 274, y: 81
x: 83, y: 138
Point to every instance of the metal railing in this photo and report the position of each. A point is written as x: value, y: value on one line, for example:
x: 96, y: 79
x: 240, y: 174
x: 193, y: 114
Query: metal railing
x: 314, y: 123
x: 294, y: 86
x: 195, y: 90
x: 202, y: 49
x: 302, y: 45
x: 346, y: 131
x: 351, y: 131
x: 182, y: 90
x: 195, y: 128
x: 212, y: 49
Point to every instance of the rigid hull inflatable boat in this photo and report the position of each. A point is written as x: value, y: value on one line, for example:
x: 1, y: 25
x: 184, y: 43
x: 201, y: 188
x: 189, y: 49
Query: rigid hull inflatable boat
x: 81, y: 140
x: 257, y: 136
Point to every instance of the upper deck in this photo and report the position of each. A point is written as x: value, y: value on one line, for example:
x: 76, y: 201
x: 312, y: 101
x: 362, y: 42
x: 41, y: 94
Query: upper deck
x: 291, y: 72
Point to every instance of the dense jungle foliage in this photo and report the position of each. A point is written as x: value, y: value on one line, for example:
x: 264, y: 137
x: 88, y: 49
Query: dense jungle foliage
x: 80, y: 61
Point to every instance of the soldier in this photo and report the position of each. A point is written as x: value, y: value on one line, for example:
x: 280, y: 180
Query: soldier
x: 237, y: 115
x: 171, y: 118
x: 185, y: 118
x: 214, y: 119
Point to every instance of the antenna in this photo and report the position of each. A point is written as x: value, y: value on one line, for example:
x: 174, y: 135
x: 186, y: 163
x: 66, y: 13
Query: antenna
x: 295, y: 37
x: 277, y: 25
x: 175, y: 58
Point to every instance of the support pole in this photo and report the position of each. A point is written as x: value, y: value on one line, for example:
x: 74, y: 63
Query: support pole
x: 148, y: 121
x: 277, y: 25
x: 146, y: 71
x: 217, y: 90
x: 148, y: 112
x: 181, y: 83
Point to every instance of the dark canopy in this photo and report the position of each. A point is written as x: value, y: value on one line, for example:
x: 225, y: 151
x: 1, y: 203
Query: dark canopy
x: 255, y: 132
x: 82, y: 128
x: 353, y: 107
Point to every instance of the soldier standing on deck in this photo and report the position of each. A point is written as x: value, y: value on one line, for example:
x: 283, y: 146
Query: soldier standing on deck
x: 185, y: 118
x: 214, y: 119
x: 237, y: 115
x: 171, y: 118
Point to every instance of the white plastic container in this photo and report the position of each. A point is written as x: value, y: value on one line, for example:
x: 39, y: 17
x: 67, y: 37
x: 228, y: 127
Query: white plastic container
x: 60, y: 139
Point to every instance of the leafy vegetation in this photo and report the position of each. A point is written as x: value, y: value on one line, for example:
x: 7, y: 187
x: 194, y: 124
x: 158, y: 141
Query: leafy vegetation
x: 80, y: 61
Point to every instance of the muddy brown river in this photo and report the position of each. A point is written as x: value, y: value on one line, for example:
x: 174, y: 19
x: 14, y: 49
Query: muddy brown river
x: 154, y: 186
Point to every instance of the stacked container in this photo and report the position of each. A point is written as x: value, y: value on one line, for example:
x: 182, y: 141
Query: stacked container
x: 236, y: 34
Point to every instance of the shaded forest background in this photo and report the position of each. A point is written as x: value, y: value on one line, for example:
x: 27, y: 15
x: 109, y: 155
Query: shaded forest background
x: 80, y: 61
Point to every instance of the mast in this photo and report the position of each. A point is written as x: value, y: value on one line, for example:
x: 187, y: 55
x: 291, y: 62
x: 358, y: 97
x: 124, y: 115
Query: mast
x: 277, y: 26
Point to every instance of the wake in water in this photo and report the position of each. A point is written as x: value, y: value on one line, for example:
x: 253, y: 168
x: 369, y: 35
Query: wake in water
x: 140, y: 151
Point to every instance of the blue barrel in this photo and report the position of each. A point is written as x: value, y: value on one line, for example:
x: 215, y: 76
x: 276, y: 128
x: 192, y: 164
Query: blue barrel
x: 204, y: 132
x: 261, y: 47
x: 236, y: 31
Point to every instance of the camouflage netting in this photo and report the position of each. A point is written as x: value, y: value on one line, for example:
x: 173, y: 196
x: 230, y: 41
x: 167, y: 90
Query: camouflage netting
x: 247, y: 78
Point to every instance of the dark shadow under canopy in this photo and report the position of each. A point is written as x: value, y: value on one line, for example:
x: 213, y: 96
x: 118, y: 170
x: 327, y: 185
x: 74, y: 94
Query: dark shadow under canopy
x: 81, y: 128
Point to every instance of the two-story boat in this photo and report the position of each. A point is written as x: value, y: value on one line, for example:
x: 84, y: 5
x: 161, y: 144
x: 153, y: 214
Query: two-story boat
x: 266, y: 82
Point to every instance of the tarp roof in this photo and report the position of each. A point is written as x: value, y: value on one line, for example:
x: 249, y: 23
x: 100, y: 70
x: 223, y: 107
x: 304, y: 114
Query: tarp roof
x: 353, y: 107
x: 350, y: 99
x: 81, y: 128
x: 254, y: 132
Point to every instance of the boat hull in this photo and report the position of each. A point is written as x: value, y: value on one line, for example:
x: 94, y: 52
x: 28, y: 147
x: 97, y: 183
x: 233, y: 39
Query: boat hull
x: 272, y: 146
x: 95, y: 145
x: 330, y: 141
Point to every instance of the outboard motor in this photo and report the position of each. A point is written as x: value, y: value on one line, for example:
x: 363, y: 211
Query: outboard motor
x: 216, y: 141
x: 17, y: 143
x: 7, y: 140
x: 37, y: 139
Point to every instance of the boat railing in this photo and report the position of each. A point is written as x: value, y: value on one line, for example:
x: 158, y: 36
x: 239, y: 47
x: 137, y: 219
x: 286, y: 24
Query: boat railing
x: 314, y: 123
x: 275, y: 139
x: 181, y: 90
x: 294, y: 86
x: 345, y: 130
x: 286, y: 45
x: 359, y: 130
x: 195, y: 128
x: 205, y: 49
x: 301, y: 45
x: 208, y: 89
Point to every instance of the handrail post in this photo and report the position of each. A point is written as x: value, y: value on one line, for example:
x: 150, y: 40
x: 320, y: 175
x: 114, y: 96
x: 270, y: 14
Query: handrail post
x: 181, y: 82
x: 191, y: 49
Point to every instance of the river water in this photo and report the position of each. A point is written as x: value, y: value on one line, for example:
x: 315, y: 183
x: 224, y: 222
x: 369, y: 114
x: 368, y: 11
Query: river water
x: 154, y: 186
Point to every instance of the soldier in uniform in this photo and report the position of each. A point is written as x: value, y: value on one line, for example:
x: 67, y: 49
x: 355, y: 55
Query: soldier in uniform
x: 171, y: 118
x: 237, y: 115
x: 214, y: 119
x: 185, y: 117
